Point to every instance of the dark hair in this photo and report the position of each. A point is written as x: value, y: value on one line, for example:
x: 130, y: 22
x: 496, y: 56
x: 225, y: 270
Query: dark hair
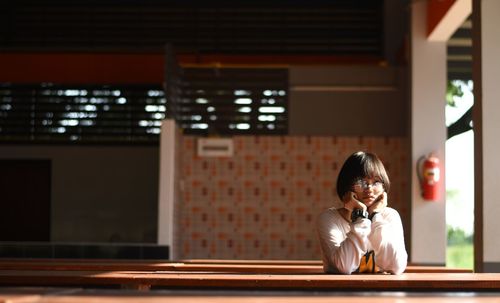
x: 358, y: 166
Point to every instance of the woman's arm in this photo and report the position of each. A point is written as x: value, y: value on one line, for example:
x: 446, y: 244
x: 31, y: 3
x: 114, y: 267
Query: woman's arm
x: 387, y: 239
x: 343, y: 244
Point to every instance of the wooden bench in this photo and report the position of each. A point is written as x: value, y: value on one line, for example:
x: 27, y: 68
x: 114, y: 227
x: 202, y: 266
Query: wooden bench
x: 77, y: 295
x: 214, y: 280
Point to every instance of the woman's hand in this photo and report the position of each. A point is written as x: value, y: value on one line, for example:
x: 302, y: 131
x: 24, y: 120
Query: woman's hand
x: 350, y: 202
x: 379, y: 204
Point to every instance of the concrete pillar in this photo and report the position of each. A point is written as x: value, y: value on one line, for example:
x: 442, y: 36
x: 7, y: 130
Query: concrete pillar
x: 167, y: 185
x: 428, y: 134
x: 490, y: 67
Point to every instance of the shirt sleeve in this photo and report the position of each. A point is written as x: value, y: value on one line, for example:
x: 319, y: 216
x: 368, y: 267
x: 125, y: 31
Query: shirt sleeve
x: 343, y: 244
x: 387, y: 240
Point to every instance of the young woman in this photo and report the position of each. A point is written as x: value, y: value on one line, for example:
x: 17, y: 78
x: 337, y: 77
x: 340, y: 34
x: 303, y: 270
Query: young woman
x: 364, y: 236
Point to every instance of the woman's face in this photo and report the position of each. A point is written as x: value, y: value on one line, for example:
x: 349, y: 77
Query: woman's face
x: 367, y: 190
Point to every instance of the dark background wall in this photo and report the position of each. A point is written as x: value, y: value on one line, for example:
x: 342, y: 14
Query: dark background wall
x: 99, y: 193
x: 348, y: 101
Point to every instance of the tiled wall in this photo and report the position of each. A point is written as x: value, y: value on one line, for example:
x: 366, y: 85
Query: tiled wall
x: 262, y: 202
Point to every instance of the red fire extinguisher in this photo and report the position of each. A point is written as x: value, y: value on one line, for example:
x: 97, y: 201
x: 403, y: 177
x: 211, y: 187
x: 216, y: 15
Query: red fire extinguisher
x: 429, y: 174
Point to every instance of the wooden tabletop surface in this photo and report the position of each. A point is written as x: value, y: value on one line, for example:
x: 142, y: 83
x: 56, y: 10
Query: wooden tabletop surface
x: 186, y: 279
x: 227, y: 266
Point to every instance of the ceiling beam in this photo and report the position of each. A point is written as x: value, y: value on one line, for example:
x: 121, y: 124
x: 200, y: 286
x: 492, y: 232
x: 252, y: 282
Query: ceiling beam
x: 445, y: 17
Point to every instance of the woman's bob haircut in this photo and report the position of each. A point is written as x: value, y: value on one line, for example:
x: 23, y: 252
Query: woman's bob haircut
x: 361, y: 165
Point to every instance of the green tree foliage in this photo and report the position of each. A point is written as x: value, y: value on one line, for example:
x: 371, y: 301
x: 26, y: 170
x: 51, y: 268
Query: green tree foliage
x: 464, y: 123
x: 460, y: 256
x: 457, y: 236
x: 452, y: 194
x: 460, y: 250
x: 453, y: 90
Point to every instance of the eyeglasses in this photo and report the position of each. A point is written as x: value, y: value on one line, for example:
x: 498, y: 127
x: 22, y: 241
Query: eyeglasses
x: 361, y: 185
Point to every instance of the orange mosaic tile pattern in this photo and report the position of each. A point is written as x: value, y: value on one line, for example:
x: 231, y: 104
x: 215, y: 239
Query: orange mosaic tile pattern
x: 262, y: 202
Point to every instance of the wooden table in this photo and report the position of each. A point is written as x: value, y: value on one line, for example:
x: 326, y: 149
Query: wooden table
x: 213, y: 280
x: 223, y: 266
x: 233, y: 281
x: 231, y: 274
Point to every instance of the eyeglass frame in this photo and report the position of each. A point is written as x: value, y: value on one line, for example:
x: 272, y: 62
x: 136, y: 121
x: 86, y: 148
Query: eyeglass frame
x: 363, y: 185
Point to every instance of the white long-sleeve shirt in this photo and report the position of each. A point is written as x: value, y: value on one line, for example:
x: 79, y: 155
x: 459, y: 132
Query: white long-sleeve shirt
x: 343, y: 243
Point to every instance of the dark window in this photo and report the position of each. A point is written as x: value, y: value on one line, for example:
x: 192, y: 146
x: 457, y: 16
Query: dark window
x: 222, y: 102
x: 231, y: 101
x: 78, y: 113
